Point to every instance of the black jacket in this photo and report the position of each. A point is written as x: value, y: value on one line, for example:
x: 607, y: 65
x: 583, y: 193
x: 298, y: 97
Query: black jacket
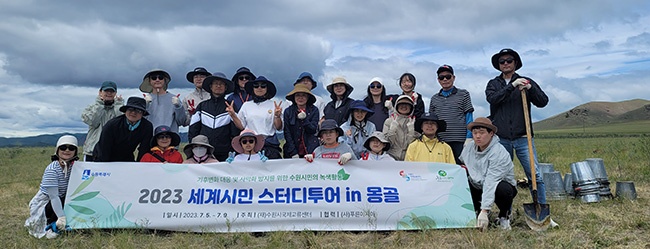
x: 339, y: 114
x: 117, y: 143
x: 294, y: 128
x: 212, y: 120
x: 506, y: 108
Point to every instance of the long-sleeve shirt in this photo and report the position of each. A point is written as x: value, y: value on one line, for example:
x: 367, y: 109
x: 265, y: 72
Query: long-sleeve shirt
x: 163, y: 112
x: 428, y: 149
x: 117, y: 142
x: 96, y: 115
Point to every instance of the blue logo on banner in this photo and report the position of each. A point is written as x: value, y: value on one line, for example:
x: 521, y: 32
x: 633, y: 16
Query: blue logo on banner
x: 85, y: 175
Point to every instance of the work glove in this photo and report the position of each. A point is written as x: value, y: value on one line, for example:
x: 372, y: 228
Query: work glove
x: 388, y: 104
x: 519, y: 82
x: 482, y: 221
x: 296, y: 156
x: 231, y: 157
x: 61, y: 223
x: 119, y: 98
x: 263, y: 157
x: 302, y: 114
x: 526, y: 86
x: 309, y: 157
x: 345, y: 158
x: 176, y: 101
x: 147, y: 98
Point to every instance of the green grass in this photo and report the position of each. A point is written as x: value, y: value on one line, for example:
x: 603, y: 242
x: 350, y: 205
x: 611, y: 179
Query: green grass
x: 609, y: 224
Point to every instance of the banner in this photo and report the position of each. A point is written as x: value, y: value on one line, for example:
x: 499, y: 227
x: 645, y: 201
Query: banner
x: 288, y: 195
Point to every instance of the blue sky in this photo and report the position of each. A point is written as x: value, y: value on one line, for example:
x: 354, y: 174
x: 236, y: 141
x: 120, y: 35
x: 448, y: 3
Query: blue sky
x: 54, y: 56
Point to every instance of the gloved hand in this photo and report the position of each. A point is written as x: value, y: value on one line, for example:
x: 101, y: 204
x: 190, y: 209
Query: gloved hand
x: 519, y: 82
x: 147, y: 98
x: 482, y: 220
x: 119, y: 98
x: 302, y: 114
x: 345, y: 158
x: 176, y: 101
x: 263, y: 157
x: 309, y: 157
x: 388, y: 104
x: 295, y: 156
x: 231, y: 157
x: 60, y: 223
x: 467, y: 141
x: 526, y: 86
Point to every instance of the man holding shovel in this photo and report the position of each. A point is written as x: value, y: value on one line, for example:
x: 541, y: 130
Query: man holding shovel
x: 510, y: 96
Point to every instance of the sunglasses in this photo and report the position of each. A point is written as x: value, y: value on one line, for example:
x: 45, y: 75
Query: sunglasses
x: 164, y: 136
x: 259, y: 85
x: 157, y: 77
x: 504, y: 61
x: 445, y: 77
x: 247, y: 141
x: 244, y: 78
x: 138, y: 111
x: 375, y: 86
x: 68, y: 147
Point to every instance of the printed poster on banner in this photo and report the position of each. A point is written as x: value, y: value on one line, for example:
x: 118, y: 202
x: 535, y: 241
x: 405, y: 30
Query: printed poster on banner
x: 276, y: 195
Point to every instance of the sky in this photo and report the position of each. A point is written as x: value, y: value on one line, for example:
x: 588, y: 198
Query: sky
x: 54, y: 55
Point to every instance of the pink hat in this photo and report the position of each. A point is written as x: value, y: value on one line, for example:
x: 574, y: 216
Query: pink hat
x: 259, y: 141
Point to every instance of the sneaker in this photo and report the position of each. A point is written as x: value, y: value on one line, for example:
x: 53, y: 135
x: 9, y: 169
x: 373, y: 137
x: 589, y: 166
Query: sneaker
x: 504, y: 223
x: 51, y: 234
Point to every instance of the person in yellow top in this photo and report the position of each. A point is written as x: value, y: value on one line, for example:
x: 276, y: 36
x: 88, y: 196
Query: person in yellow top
x: 429, y: 148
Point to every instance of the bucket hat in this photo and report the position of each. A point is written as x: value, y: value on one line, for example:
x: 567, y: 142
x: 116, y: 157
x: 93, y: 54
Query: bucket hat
x: 197, y: 71
x: 259, y: 141
x: 329, y: 124
x: 137, y: 103
x: 198, y: 140
x: 378, y: 135
x: 442, y: 125
x: 359, y: 105
x: 482, y: 122
x: 309, y: 76
x: 176, y: 139
x: 146, y: 87
x: 300, y: 88
x: 66, y: 140
x: 241, y: 71
x: 207, y: 86
x: 270, y: 87
x: 495, y: 58
x: 339, y: 80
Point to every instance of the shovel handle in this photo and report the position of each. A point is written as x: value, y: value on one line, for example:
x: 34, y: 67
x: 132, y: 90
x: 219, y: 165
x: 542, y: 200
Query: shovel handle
x: 529, y: 137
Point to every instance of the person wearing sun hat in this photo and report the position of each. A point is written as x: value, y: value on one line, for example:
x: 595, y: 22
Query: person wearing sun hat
x: 164, y: 107
x: 398, y: 127
x: 123, y: 134
x: 192, y: 100
x: 300, y: 123
x: 46, y: 216
x: 199, y: 151
x: 263, y: 115
x: 428, y: 147
x: 337, y: 109
x: 215, y: 118
x: 97, y: 114
x: 376, y: 146
x: 490, y: 173
x: 248, y: 146
x: 331, y: 148
x: 357, y: 129
x: 163, y: 147
x: 240, y: 96
x: 308, y: 80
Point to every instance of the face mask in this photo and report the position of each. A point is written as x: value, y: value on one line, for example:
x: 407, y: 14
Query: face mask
x: 199, y: 151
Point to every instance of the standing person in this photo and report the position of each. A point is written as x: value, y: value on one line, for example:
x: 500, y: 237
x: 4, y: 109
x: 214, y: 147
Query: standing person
x: 97, y: 114
x: 407, y: 84
x: 307, y: 79
x: 399, y: 127
x: 192, y: 100
x: 453, y: 105
x: 248, y: 146
x: 300, y: 123
x: 199, y: 151
x: 164, y: 107
x: 336, y: 109
x: 240, y: 96
x: 123, y: 134
x: 46, y: 216
x: 357, y: 129
x: 375, y: 100
x: 428, y: 147
x: 163, y: 147
x: 329, y: 134
x: 214, y: 118
x: 507, y: 112
x: 263, y: 115
x: 377, y: 145
x: 490, y: 173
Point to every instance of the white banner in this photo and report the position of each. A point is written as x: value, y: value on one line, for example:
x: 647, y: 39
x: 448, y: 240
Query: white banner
x: 289, y: 195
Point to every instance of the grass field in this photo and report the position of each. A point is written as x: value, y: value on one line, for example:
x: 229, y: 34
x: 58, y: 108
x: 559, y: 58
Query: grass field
x: 617, y: 223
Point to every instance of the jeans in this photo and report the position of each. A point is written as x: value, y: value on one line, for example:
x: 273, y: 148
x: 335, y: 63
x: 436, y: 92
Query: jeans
x: 520, y: 145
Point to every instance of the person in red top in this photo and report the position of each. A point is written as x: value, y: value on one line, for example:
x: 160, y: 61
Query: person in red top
x: 163, y: 147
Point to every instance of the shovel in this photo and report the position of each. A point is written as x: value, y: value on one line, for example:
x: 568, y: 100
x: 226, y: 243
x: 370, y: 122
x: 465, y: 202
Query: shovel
x: 538, y: 216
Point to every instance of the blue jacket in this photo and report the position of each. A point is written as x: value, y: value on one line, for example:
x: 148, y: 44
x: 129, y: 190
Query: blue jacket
x: 294, y: 128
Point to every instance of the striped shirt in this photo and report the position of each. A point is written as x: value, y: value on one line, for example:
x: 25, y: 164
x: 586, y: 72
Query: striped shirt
x: 452, y: 109
x: 54, y: 177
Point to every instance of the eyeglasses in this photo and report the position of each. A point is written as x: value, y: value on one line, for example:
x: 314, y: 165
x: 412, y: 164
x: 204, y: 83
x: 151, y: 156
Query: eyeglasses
x: 445, y: 77
x: 247, y: 141
x: 157, y: 77
x: 164, y: 136
x: 375, y: 86
x: 138, y: 111
x: 244, y: 78
x: 68, y: 147
x: 259, y: 85
x: 504, y: 61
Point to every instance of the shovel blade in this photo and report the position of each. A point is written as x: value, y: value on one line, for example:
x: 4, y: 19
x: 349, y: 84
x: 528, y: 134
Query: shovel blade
x: 538, y: 216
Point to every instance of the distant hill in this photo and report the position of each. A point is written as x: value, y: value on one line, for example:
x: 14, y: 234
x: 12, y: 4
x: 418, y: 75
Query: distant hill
x: 598, y: 113
x: 50, y: 140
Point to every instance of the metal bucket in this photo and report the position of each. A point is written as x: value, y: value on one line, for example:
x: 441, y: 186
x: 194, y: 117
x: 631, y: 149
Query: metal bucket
x: 585, y: 184
x: 598, y: 167
x: 554, y: 186
x: 626, y: 190
x: 568, y: 185
x: 545, y: 168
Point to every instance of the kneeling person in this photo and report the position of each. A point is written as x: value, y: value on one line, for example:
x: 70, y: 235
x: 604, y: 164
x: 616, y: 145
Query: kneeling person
x: 329, y: 134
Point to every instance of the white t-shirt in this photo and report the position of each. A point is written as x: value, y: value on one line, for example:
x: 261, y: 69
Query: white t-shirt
x: 258, y: 117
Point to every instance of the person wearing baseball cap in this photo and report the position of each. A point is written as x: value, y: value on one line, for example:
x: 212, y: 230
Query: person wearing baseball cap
x: 453, y: 105
x: 192, y: 100
x: 97, y: 114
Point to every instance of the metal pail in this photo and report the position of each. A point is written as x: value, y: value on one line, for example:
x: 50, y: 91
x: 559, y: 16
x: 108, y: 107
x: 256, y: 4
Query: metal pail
x: 626, y: 190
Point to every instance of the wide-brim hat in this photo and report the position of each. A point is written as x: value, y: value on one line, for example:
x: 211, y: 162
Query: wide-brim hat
x: 482, y: 122
x: 378, y: 135
x: 137, y: 103
x: 198, y: 140
x: 329, y: 124
x: 442, y: 125
x: 66, y: 140
x: 146, y: 87
x: 359, y: 105
x: 300, y: 88
x: 495, y: 58
x: 404, y: 99
x: 270, y: 87
x: 176, y: 139
x: 309, y: 76
x: 197, y: 71
x: 339, y: 80
x: 240, y: 71
x: 259, y: 141
x: 207, y: 83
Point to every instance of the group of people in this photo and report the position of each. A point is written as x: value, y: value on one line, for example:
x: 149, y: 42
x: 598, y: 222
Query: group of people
x: 236, y: 119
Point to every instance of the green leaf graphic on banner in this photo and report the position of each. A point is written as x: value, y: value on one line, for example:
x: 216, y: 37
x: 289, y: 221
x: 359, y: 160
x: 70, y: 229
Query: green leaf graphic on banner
x: 403, y: 225
x: 342, y: 175
x: 422, y: 222
x: 117, y: 216
x: 83, y: 210
x: 80, y: 220
x: 83, y: 185
x: 86, y: 196
x: 468, y: 206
